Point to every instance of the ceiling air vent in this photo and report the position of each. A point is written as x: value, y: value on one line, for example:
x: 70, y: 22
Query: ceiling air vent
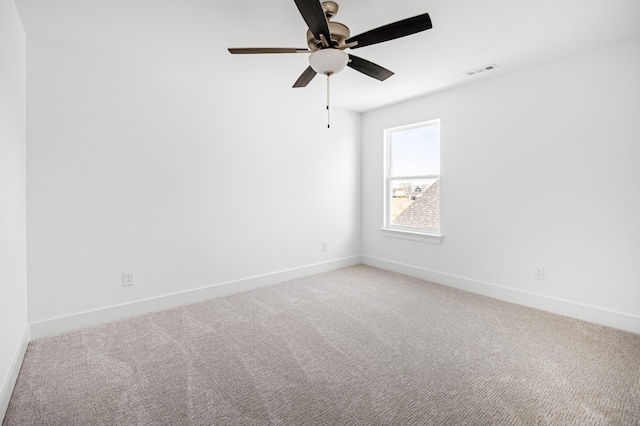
x: 480, y: 70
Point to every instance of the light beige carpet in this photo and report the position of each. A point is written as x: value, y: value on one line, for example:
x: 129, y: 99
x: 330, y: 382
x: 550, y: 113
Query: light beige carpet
x: 358, y: 346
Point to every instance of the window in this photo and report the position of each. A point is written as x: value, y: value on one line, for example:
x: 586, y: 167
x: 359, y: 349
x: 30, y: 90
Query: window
x: 412, y: 179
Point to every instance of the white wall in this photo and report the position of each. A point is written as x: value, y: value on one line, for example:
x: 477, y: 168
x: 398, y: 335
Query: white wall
x: 13, y: 145
x: 186, y: 179
x: 539, y: 167
x: 193, y: 181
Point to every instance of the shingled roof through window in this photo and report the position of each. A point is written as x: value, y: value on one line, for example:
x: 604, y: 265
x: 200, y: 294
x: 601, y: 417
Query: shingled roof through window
x: 424, y: 212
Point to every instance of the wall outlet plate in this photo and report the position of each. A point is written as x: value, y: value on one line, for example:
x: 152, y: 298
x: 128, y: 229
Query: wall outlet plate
x: 538, y: 272
x: 128, y: 279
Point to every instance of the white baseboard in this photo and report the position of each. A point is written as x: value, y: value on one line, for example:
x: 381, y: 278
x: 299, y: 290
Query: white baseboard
x: 567, y: 308
x: 16, y: 362
x: 113, y: 313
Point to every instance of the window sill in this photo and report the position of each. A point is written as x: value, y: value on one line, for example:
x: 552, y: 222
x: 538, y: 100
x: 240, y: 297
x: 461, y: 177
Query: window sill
x: 413, y: 236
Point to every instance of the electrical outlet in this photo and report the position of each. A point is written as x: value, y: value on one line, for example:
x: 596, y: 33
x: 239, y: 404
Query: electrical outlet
x: 325, y: 246
x: 538, y: 272
x: 128, y: 279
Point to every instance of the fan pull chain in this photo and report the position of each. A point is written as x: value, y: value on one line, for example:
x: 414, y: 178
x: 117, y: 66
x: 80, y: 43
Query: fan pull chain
x: 328, y: 115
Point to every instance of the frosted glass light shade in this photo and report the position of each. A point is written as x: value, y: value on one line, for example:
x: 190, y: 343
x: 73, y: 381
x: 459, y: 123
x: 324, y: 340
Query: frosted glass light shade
x: 328, y: 61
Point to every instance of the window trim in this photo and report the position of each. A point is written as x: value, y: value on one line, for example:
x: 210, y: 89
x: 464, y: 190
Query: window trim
x: 412, y: 235
x: 431, y: 235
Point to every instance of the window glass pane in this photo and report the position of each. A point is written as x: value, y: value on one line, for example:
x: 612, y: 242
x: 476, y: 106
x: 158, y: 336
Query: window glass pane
x: 415, y: 202
x: 415, y: 151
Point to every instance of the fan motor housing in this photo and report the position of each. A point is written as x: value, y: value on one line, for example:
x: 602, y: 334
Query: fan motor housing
x: 339, y: 34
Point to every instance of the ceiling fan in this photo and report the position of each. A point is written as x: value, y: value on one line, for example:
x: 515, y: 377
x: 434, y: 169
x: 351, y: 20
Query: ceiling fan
x: 328, y: 40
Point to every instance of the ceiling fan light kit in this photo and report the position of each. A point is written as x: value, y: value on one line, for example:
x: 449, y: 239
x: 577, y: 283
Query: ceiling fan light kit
x: 328, y: 40
x: 328, y: 61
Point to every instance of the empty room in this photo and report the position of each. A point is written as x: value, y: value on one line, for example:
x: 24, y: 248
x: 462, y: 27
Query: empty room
x: 300, y: 212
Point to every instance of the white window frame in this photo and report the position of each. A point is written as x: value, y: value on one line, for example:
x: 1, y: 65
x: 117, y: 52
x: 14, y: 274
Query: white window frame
x: 430, y: 235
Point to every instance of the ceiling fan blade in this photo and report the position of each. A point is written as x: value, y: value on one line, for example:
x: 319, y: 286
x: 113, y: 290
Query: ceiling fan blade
x: 305, y: 78
x: 392, y: 31
x: 253, y: 50
x: 369, y: 68
x: 313, y: 15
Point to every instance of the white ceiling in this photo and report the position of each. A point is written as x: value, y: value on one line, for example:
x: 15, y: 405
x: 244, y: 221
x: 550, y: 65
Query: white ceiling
x: 466, y: 34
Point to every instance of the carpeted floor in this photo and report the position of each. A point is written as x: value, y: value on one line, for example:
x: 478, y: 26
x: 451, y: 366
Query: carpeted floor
x: 357, y: 346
